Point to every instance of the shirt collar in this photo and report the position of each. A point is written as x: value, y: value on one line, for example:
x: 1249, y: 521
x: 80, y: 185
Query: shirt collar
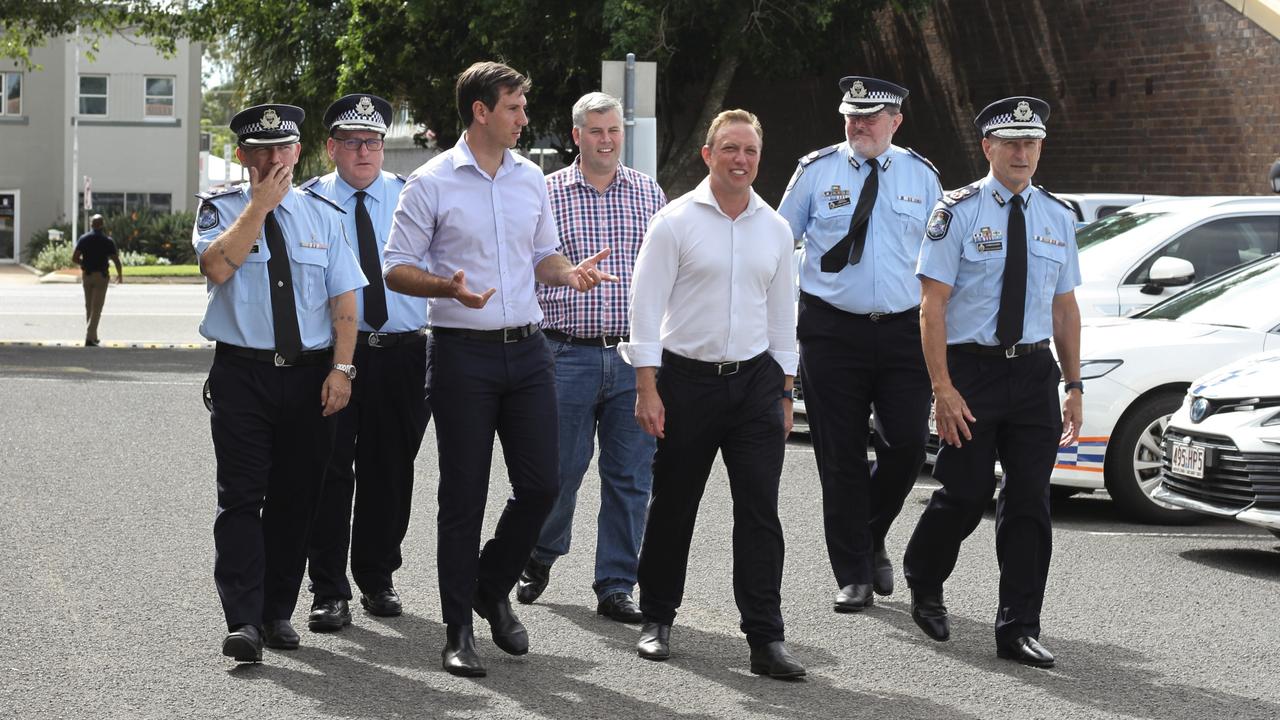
x: 290, y: 201
x: 702, y: 194
x: 577, y: 178
x: 462, y: 156
x: 884, y: 159
x: 1002, y: 194
x: 343, y: 190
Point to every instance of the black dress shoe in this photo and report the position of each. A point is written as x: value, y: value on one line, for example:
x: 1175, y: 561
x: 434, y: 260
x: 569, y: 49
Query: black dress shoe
x: 280, y: 635
x: 776, y: 661
x: 854, y: 598
x: 384, y: 603
x: 1026, y: 650
x: 244, y: 643
x: 328, y: 614
x: 459, y: 656
x: 619, y: 606
x: 508, y: 633
x: 931, y: 615
x: 655, y: 641
x: 882, y: 573
x: 533, y: 580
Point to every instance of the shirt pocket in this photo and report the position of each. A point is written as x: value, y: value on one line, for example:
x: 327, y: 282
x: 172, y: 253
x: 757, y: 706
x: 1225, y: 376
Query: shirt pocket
x: 251, y: 278
x: 987, y: 266
x: 1045, y: 266
x: 832, y: 223
x: 911, y: 217
x: 312, y: 262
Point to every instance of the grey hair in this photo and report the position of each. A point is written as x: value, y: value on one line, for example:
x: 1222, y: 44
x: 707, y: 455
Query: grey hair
x: 594, y: 102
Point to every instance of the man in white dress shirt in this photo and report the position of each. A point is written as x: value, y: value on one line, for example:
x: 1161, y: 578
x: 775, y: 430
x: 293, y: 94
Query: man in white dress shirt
x: 712, y: 304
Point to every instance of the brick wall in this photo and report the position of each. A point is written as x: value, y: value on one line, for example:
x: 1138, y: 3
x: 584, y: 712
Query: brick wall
x: 1158, y: 96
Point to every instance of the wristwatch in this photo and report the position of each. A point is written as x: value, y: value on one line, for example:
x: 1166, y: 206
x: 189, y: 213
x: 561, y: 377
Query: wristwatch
x: 789, y: 394
x: 348, y: 370
x: 1074, y: 385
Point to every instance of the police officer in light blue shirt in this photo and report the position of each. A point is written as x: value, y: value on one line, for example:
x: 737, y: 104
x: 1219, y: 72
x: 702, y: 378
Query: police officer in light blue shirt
x: 998, y: 273
x: 282, y: 312
x: 859, y: 208
x: 381, y: 429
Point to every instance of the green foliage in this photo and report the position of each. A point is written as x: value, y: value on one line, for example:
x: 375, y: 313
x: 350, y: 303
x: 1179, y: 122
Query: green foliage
x: 53, y: 256
x: 163, y: 236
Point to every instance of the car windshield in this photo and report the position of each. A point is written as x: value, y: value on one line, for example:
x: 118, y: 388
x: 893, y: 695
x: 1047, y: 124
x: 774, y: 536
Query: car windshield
x: 1232, y: 300
x: 1111, y: 226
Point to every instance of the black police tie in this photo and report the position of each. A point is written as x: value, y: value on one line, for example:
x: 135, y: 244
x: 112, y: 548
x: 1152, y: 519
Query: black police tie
x: 849, y: 250
x: 375, y: 294
x: 1013, y: 293
x: 284, y: 311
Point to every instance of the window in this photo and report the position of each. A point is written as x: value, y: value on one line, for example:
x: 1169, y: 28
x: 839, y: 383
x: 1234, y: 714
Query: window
x: 159, y: 97
x: 1218, y: 245
x: 93, y: 94
x: 116, y: 202
x: 11, y: 93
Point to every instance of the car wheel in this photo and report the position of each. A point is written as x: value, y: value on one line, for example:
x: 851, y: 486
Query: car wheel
x: 1134, y: 458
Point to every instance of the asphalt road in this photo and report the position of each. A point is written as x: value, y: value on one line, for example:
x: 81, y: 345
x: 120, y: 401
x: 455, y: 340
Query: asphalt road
x: 106, y: 509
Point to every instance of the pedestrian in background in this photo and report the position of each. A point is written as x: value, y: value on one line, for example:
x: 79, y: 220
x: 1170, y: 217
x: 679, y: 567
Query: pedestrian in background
x: 92, y: 252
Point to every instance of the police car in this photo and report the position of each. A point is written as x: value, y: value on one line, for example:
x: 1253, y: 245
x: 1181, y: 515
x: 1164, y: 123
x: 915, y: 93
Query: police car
x: 1095, y: 206
x: 1151, y: 251
x: 1222, y: 447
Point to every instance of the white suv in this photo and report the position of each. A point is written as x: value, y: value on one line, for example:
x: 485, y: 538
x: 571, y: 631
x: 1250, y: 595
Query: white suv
x: 1222, y: 447
x: 1151, y: 251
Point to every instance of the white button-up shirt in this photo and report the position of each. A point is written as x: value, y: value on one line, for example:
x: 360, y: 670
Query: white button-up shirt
x: 453, y: 216
x: 712, y: 288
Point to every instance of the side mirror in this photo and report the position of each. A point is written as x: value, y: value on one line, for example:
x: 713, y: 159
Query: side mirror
x: 1169, y: 272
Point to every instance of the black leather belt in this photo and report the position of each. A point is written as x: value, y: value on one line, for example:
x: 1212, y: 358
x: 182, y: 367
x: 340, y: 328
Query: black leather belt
x: 504, y: 335
x: 700, y: 367
x: 606, y: 341
x: 996, y: 350
x: 379, y: 339
x: 875, y: 317
x: 308, y: 357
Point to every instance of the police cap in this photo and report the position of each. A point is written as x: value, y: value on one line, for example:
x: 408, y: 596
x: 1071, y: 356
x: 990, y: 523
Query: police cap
x: 867, y: 96
x: 358, y: 112
x: 1013, y: 118
x: 270, y: 124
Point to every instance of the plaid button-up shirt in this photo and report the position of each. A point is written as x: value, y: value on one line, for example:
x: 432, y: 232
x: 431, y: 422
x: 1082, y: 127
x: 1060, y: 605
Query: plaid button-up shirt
x: 589, y: 221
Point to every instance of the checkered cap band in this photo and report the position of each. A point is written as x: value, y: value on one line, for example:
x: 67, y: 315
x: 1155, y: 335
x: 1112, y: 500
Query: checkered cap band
x: 287, y: 127
x: 1006, y: 121
x: 351, y: 117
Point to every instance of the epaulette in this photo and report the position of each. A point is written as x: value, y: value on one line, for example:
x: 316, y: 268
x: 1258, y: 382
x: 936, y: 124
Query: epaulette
x: 808, y: 160
x: 924, y: 160
x: 225, y: 191
x: 1058, y: 200
x: 401, y: 178
x: 308, y: 188
x: 964, y: 193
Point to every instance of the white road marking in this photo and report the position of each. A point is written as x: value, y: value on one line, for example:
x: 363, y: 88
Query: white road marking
x: 1179, y: 535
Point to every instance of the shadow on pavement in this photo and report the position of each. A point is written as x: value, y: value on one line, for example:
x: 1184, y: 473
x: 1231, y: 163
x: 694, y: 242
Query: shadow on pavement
x: 101, y: 363
x: 1251, y: 562
x: 723, y: 660
x: 1112, y: 679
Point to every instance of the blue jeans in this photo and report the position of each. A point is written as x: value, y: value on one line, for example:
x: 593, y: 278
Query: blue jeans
x: 596, y: 391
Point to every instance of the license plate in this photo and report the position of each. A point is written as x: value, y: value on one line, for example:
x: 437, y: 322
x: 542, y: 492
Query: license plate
x: 933, y: 418
x: 1186, y: 459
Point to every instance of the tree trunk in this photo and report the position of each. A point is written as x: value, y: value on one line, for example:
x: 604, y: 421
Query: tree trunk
x: 683, y: 170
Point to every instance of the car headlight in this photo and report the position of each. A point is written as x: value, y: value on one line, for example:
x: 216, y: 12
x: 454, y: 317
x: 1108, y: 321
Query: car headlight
x: 1090, y: 369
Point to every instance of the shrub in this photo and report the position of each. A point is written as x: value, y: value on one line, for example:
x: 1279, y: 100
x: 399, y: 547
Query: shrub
x: 53, y: 256
x: 163, y: 235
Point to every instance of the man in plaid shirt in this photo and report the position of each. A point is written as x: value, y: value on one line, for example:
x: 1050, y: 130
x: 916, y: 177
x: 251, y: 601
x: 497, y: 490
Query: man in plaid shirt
x: 597, y: 203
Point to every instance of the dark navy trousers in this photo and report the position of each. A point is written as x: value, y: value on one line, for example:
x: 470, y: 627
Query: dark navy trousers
x: 479, y: 388
x: 848, y: 365
x: 378, y: 437
x: 271, y: 444
x: 1019, y: 420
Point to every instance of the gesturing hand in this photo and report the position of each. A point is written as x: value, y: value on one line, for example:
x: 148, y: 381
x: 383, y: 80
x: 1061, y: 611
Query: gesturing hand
x: 458, y: 289
x: 585, y: 275
x: 269, y: 190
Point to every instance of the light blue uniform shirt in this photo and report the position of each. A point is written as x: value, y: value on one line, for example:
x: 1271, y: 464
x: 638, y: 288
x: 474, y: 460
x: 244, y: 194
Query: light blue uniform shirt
x: 819, y: 204
x: 966, y: 247
x: 453, y: 216
x: 404, y: 312
x: 322, y: 265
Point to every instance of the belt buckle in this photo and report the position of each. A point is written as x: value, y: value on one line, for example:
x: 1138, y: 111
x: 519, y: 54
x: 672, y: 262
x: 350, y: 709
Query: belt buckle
x: 604, y: 342
x: 875, y: 316
x: 510, y: 335
x: 720, y: 368
x: 375, y: 339
x: 1011, y: 352
x: 279, y: 360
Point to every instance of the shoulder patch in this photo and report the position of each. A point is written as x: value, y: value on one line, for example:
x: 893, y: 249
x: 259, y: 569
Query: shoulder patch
x: 1058, y: 200
x: 808, y: 160
x: 207, y: 216
x: 939, y: 224
x: 311, y: 193
x: 963, y: 193
x: 924, y: 160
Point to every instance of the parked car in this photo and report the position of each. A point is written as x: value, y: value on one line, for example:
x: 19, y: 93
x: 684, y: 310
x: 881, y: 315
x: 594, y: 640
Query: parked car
x: 1138, y: 256
x: 1095, y: 206
x: 1222, y: 447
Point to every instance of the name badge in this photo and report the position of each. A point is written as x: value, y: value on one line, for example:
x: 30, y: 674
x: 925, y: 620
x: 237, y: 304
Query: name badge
x: 838, y: 203
x: 990, y: 246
